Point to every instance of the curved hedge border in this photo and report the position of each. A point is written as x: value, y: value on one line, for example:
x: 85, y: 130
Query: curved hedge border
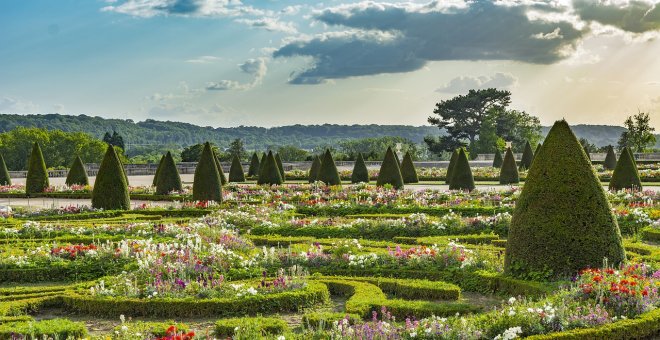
x: 410, y: 289
x: 55, y: 328
x: 432, y: 211
x: 226, y: 327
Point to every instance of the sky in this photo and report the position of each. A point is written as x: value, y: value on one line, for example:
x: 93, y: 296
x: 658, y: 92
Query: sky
x: 226, y: 63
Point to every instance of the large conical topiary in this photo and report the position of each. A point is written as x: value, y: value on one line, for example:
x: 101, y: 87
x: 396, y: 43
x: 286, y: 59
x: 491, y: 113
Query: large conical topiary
x: 360, y: 172
x: 269, y: 173
x: 610, y: 159
x: 280, y: 166
x: 4, y: 173
x: 207, y: 184
x: 314, y: 170
x: 390, y: 173
x: 497, y: 161
x: 110, y: 188
x: 625, y: 174
x: 450, y: 167
x: 509, y: 171
x: 221, y: 171
x: 563, y: 221
x: 461, y: 175
x: 37, y: 175
x: 160, y: 165
x: 236, y: 173
x: 527, y: 157
x: 77, y: 174
x: 253, y: 171
x: 408, y: 171
x: 328, y: 173
x: 536, y: 151
x: 168, y: 177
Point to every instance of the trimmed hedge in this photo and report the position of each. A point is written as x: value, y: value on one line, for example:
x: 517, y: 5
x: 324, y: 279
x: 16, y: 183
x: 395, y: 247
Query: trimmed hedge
x: 497, y: 161
x: 610, y: 159
x: 269, y: 174
x: 410, y: 289
x: 527, y: 157
x: 207, y: 185
x: 450, y: 167
x: 408, y: 172
x: 432, y: 211
x: 267, y: 325
x: 157, y: 329
x: 461, y: 174
x: 236, y: 174
x: 55, y: 328
x: 253, y: 170
x: 389, y: 171
x: 509, y: 171
x: 325, y: 320
x: 168, y: 178
x: 37, y: 175
x: 110, y: 186
x: 77, y: 174
x: 221, y: 171
x: 278, y: 160
x: 328, y: 172
x: 160, y: 164
x: 625, y: 174
x: 360, y: 172
x: 314, y: 170
x: 5, y: 179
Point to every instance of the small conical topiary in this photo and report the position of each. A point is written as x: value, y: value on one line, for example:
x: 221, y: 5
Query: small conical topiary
x: 509, y: 171
x: 168, y: 177
x: 562, y: 222
x: 328, y: 173
x: 280, y: 166
x: 450, y: 167
x: 625, y: 174
x: 253, y: 171
x: 408, y: 171
x: 461, y: 175
x: 37, y: 175
x: 527, y: 157
x: 207, y: 184
x: 4, y: 173
x: 77, y: 174
x: 236, y: 173
x: 110, y: 188
x: 497, y: 161
x: 269, y: 173
x: 221, y: 171
x: 160, y: 164
x: 264, y: 157
x: 538, y: 147
x: 610, y: 159
x: 360, y: 172
x: 390, y: 173
x: 314, y: 170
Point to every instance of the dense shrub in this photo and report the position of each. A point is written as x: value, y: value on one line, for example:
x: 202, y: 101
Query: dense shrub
x: 450, y: 167
x: 236, y: 173
x: 267, y: 325
x: 269, y: 173
x: 389, y: 171
x: 253, y: 171
x: 207, y: 185
x: 497, y: 161
x: 314, y: 170
x: 360, y: 172
x: 461, y: 176
x: 562, y: 222
x: 278, y: 160
x: 328, y: 173
x: 160, y: 164
x: 47, y: 329
x: 509, y: 170
x: 168, y: 177
x: 5, y: 179
x: 221, y: 171
x: 110, y: 187
x: 625, y: 174
x: 408, y: 172
x: 527, y: 157
x: 77, y: 174
x: 37, y: 175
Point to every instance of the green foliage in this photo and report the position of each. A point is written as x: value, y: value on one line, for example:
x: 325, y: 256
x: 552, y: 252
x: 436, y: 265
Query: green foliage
x: 236, y: 173
x: 47, y: 329
x: 314, y: 170
x: 151, y: 329
x: 77, y: 174
x: 168, y: 177
x: 625, y: 174
x: 610, y: 159
x: 160, y: 165
x: 5, y: 179
x: 278, y: 160
x: 360, y: 172
x: 115, y: 139
x: 408, y: 172
x: 638, y: 134
x: 110, y: 187
x: 450, y: 167
x: 264, y: 157
x: 461, y: 175
x: 271, y: 325
x: 497, y: 161
x: 290, y: 153
x: 509, y: 170
x: 269, y: 173
x: 536, y: 151
x: 373, y: 149
x: 527, y: 157
x: 236, y: 148
x: 207, y: 185
x: 253, y: 171
x: 562, y: 222
x: 193, y: 153
x: 221, y: 170
x: 328, y: 173
x: 37, y: 175
x: 389, y: 171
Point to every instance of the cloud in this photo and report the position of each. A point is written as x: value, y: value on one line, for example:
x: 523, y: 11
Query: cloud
x: 205, y: 59
x: 16, y: 105
x: 403, y: 37
x: 191, y: 8
x: 270, y: 24
x: 634, y: 16
x: 466, y: 83
x: 254, y: 67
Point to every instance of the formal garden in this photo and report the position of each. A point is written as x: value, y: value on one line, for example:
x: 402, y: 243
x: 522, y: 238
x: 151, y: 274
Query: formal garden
x: 344, y: 255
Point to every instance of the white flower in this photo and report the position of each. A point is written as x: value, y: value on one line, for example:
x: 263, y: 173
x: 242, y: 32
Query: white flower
x: 281, y: 337
x: 122, y: 318
x: 512, y: 300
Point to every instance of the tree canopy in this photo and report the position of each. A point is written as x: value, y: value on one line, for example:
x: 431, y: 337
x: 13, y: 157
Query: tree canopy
x: 638, y: 134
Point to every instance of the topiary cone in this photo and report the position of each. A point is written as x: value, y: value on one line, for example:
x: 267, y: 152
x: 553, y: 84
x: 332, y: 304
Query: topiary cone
x: 207, y: 184
x: 278, y: 160
x: 37, y: 175
x: 77, y: 174
x: 527, y: 157
x: 168, y: 177
x: 4, y: 173
x: 253, y: 171
x: 610, y: 159
x: 160, y: 164
x: 328, y: 173
x: 236, y: 173
x: 360, y: 172
x: 221, y: 171
x: 497, y: 161
x: 389, y: 171
x: 509, y: 171
x: 408, y: 171
x: 450, y: 167
x: 625, y: 174
x: 269, y: 173
x: 110, y: 188
x: 314, y: 170
x: 563, y: 221
x: 461, y: 175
